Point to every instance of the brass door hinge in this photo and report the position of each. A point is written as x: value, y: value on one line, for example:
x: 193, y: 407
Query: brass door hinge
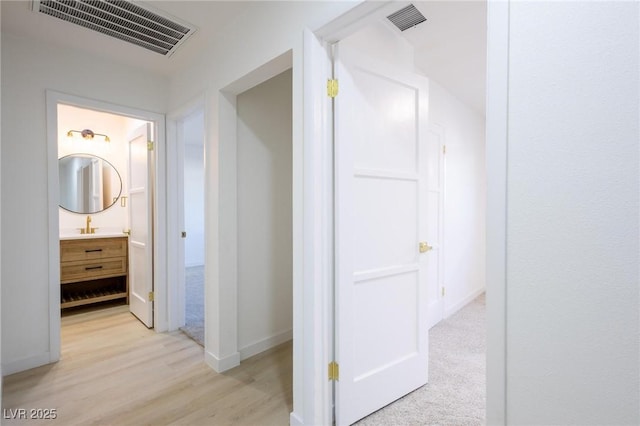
x: 332, y: 88
x: 334, y: 371
x: 151, y: 296
x: 442, y: 291
x: 149, y: 146
x: 444, y: 149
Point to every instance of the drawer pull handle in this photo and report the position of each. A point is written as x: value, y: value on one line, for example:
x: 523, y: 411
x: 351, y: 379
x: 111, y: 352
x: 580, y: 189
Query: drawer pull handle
x: 92, y: 250
x: 88, y: 268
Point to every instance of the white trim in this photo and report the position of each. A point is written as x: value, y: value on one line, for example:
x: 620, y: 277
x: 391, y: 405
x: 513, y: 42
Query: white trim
x: 313, y: 316
x: 274, y: 67
x: 222, y: 364
x: 27, y: 363
x: 437, y: 307
x: 264, y: 344
x: 160, y: 290
x: 357, y: 18
x: 53, y: 184
x: 496, y: 156
x: 53, y: 98
x: 295, y: 420
x: 175, y: 285
x: 225, y: 287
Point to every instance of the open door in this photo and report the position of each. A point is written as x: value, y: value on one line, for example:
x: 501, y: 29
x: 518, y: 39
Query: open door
x: 382, y: 245
x: 141, y: 223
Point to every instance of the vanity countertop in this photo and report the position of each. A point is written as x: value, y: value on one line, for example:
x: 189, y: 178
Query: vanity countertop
x: 76, y: 235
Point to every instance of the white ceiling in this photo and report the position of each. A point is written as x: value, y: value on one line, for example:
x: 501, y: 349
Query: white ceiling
x: 207, y: 16
x: 450, y: 46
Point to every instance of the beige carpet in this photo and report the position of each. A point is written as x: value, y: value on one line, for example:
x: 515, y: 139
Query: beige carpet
x: 194, y: 304
x: 455, y: 394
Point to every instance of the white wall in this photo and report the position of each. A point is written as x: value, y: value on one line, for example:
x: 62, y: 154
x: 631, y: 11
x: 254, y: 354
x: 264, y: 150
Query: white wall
x: 465, y: 197
x: 1, y: 369
x: 572, y: 214
x: 379, y: 40
x: 28, y: 69
x: 268, y: 30
x: 264, y: 215
x: 193, y: 134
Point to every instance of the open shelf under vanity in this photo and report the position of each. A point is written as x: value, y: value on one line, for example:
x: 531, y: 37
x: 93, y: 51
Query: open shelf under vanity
x: 93, y: 270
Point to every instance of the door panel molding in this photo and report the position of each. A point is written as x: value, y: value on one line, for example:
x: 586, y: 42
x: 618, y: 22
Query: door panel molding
x: 381, y: 216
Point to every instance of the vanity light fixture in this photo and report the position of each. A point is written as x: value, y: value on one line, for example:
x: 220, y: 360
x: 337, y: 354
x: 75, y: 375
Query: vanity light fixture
x: 88, y: 134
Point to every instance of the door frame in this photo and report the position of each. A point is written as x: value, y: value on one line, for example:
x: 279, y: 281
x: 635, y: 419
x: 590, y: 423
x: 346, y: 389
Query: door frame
x: 497, y: 148
x: 221, y: 339
x: 175, y: 209
x: 320, y: 410
x: 318, y: 396
x: 53, y: 99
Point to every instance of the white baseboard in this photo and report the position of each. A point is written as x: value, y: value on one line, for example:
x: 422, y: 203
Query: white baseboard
x: 26, y: 363
x: 295, y: 420
x: 264, y: 344
x: 222, y: 364
x: 448, y: 311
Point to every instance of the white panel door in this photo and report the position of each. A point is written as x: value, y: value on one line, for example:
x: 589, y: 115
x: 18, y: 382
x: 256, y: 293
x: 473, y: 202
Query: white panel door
x: 381, y: 218
x: 140, y: 221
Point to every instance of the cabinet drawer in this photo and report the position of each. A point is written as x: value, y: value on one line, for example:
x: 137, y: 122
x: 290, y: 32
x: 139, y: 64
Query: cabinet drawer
x: 91, y: 249
x: 83, y: 270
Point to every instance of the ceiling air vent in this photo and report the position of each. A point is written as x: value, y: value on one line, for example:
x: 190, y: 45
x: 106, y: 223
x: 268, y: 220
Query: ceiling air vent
x: 406, y: 18
x: 121, y: 19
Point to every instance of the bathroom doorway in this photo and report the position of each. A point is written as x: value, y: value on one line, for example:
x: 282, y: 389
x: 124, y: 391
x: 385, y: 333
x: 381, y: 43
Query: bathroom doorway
x: 120, y: 217
x: 105, y: 187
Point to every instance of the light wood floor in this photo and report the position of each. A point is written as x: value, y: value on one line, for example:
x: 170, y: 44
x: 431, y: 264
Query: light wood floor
x: 115, y: 371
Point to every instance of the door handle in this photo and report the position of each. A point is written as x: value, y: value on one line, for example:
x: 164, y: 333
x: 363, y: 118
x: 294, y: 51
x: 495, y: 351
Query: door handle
x: 423, y: 247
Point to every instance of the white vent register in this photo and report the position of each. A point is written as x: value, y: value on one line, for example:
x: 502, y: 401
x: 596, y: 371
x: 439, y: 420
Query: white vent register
x: 124, y: 20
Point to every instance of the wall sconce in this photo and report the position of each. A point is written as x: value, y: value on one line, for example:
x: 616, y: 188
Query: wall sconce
x: 88, y: 134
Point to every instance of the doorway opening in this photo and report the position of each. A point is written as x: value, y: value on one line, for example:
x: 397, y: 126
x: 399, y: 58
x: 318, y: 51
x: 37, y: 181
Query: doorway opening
x: 249, y: 267
x: 190, y: 138
x: 103, y: 195
x: 455, y: 244
x: 264, y: 215
x: 103, y: 211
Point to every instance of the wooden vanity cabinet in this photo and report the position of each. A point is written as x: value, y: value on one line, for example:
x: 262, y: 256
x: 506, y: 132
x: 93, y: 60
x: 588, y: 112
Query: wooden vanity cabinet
x: 93, y: 270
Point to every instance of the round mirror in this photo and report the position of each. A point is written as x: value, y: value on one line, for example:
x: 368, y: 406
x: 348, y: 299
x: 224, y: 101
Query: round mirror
x: 88, y: 184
